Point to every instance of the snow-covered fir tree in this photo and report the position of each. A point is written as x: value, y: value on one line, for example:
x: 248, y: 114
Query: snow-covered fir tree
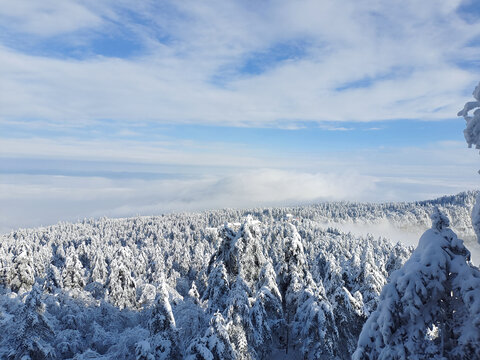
x: 34, y: 334
x: 266, y: 315
x: 215, y: 344
x: 233, y: 274
x: 430, y: 309
x: 164, y: 340
x: 314, y: 327
x: 121, y: 284
x: 73, y: 272
x: 22, y: 275
x: 99, y: 272
x: 310, y: 320
x: 472, y: 137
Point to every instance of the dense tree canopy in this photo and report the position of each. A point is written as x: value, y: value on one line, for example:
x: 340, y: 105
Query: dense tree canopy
x: 224, y: 284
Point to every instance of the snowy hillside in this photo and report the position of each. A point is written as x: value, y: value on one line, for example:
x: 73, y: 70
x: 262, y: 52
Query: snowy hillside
x: 246, y: 284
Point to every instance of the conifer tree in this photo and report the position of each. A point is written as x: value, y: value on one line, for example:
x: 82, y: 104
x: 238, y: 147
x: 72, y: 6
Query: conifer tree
x: 34, y: 335
x: 314, y: 325
x: 310, y: 321
x: 53, y: 280
x: 266, y: 315
x: 218, y: 288
x: 239, y: 327
x: 215, y: 345
x: 292, y: 273
x: 430, y: 309
x: 190, y: 316
x: 121, y: 284
x: 143, y: 351
x: 99, y: 272
x: 233, y: 273
x: 73, y: 272
x: 162, y: 327
x: 22, y: 275
x: 240, y: 252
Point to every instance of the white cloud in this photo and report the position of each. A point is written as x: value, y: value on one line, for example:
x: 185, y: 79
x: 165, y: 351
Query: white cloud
x: 446, y: 163
x: 169, y: 151
x: 404, y: 55
x: 47, y: 17
x: 231, y: 179
x: 41, y: 199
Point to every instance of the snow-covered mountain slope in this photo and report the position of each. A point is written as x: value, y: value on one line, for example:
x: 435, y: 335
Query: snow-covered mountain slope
x: 213, y: 285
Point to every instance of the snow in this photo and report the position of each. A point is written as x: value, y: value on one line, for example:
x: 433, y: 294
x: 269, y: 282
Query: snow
x: 281, y: 354
x: 437, y: 289
x: 225, y: 284
x: 472, y: 137
x: 472, y: 129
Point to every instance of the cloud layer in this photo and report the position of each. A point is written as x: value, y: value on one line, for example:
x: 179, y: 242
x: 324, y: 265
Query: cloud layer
x: 33, y: 195
x: 72, y: 198
x: 236, y: 63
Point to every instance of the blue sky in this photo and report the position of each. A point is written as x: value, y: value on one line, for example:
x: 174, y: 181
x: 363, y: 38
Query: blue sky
x: 120, y: 108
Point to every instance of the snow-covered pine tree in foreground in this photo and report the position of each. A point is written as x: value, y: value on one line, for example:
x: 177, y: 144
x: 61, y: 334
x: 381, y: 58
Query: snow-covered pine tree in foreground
x: 472, y: 137
x: 430, y: 309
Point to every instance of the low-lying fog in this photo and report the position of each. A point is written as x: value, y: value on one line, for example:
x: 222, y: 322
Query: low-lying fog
x: 408, y: 236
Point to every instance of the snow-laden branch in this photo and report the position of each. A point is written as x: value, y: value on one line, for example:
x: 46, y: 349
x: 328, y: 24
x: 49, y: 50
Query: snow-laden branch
x: 472, y: 129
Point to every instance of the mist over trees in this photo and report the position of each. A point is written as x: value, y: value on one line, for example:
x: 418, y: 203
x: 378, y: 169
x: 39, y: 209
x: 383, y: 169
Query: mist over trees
x: 230, y: 284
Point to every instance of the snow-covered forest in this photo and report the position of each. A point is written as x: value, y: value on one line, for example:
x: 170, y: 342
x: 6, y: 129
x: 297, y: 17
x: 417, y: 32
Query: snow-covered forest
x: 229, y: 284
x: 248, y: 174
